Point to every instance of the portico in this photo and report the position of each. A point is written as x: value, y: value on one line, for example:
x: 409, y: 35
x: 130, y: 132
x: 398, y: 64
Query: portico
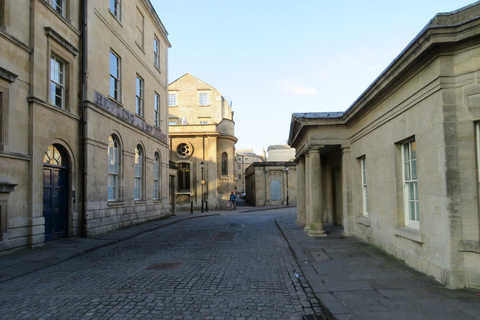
x: 319, y: 170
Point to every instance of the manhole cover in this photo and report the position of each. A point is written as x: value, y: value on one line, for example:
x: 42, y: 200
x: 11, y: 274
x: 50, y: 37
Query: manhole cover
x: 163, y: 266
x: 225, y: 236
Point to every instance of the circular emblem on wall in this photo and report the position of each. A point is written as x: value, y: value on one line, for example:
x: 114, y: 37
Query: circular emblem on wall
x: 184, y: 150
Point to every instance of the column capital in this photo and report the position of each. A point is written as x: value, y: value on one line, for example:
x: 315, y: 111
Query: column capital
x: 299, y: 160
x: 315, y: 149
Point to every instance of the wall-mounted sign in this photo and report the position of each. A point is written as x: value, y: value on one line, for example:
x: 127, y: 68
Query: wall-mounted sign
x: 121, y: 113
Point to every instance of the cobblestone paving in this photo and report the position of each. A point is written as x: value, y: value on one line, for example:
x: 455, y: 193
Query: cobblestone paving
x: 233, y: 266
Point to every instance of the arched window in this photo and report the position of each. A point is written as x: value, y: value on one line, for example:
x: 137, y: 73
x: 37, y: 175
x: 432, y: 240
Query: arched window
x: 183, y: 177
x: 54, y: 156
x: 156, y: 177
x: 224, y: 164
x: 113, y: 168
x: 138, y: 194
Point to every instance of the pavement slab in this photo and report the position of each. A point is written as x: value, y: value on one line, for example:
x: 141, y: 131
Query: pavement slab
x: 355, y: 280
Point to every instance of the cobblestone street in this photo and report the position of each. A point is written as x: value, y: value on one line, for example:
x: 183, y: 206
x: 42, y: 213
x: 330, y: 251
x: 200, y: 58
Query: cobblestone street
x: 230, y: 266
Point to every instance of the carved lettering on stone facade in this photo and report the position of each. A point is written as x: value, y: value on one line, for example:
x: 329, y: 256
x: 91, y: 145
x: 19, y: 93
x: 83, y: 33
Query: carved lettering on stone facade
x: 111, y: 107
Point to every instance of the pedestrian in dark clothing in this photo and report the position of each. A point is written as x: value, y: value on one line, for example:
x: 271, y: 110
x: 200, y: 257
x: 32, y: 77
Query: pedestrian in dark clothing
x: 233, y: 201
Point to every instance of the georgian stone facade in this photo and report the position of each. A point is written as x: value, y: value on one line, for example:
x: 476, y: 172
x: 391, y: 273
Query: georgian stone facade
x: 271, y: 183
x: 399, y: 168
x: 61, y: 99
x: 202, y: 143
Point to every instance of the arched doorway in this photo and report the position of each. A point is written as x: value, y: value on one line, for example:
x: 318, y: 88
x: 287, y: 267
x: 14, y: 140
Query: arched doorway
x: 55, y: 192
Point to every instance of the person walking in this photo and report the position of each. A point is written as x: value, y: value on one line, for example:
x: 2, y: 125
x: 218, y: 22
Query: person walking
x: 233, y: 201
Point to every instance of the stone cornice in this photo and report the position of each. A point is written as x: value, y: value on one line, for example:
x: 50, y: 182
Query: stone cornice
x: 7, y: 75
x: 6, y: 187
x: 49, y: 32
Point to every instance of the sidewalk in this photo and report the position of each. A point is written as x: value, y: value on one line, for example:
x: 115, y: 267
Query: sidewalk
x: 355, y: 280
x: 30, y: 260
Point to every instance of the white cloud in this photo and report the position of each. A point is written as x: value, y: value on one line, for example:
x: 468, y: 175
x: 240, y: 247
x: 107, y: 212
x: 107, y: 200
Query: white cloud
x: 297, y: 88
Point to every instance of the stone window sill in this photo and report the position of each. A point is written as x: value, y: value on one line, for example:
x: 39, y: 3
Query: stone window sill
x: 410, y: 234
x: 114, y: 203
x: 469, y: 246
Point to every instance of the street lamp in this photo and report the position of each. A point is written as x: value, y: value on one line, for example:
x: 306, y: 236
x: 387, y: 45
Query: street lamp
x: 286, y: 171
x: 202, y: 165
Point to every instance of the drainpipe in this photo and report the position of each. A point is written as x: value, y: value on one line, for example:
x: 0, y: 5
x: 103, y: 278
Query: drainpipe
x: 83, y: 123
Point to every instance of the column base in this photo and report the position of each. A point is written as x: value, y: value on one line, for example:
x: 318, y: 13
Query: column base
x: 317, y: 233
x: 307, y: 228
x: 300, y: 223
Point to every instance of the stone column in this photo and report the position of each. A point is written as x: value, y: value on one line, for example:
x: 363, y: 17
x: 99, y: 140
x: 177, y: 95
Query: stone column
x: 316, y: 194
x: 348, y: 219
x: 306, y: 186
x: 301, y: 205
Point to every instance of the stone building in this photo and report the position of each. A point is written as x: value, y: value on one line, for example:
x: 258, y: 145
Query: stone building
x: 280, y: 153
x: 400, y: 167
x: 83, y: 109
x: 202, y: 143
x: 245, y: 157
x: 271, y: 183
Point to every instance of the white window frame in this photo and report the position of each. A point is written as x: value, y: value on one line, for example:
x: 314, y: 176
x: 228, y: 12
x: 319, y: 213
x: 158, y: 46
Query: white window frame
x: 60, y: 6
x: 363, y: 169
x: 410, y: 185
x: 57, y: 81
x: 138, y: 168
x: 172, y: 99
x: 113, y: 171
x: 139, y: 96
x: 156, y: 52
x: 115, y: 8
x: 156, y: 110
x: 203, y: 98
x: 156, y: 177
x: 115, y: 77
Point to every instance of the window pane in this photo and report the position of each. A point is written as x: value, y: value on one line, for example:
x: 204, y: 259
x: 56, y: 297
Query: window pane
x: 139, y: 96
x: 57, y: 92
x: 411, y: 191
x: 408, y: 175
x: 414, y: 169
x: 187, y: 178
x: 172, y: 100
x: 180, y: 179
x: 156, y: 52
x: 412, y: 210
x: 113, y: 65
x: 203, y: 99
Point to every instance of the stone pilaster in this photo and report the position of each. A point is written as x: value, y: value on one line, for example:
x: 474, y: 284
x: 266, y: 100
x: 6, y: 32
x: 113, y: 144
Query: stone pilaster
x: 348, y: 218
x: 301, y: 205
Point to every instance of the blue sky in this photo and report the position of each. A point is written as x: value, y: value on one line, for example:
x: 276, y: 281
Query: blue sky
x: 275, y: 58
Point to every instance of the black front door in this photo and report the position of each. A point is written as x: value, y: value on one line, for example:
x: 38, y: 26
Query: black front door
x: 55, y: 198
